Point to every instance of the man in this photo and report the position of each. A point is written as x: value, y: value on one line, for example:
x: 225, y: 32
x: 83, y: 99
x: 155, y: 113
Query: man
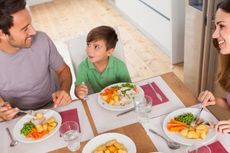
x: 27, y: 58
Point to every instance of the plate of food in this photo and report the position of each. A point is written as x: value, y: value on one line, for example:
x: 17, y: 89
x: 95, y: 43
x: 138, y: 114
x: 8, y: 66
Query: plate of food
x: 37, y: 127
x: 180, y: 126
x: 110, y: 142
x: 119, y: 96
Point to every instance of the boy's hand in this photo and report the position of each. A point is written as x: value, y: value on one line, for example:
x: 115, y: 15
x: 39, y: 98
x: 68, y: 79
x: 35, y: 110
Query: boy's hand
x: 81, y: 91
x: 207, y: 98
x: 7, y: 112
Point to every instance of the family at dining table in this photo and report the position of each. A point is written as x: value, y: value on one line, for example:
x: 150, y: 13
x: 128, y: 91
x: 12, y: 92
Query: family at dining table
x: 33, y: 74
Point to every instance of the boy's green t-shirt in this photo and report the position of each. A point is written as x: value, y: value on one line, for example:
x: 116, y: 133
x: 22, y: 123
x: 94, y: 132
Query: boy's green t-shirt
x: 115, y: 72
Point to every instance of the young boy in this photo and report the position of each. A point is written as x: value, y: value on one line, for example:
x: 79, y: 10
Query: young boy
x: 100, y: 68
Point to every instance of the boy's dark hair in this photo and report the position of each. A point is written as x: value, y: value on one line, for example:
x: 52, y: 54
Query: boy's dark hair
x: 105, y: 33
x: 7, y: 8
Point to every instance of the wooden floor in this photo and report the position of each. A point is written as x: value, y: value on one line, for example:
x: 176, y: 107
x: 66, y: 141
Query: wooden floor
x: 66, y: 19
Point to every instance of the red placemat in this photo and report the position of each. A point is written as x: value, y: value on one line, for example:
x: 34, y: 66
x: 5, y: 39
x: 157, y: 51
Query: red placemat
x: 215, y: 147
x: 70, y: 115
x: 148, y: 91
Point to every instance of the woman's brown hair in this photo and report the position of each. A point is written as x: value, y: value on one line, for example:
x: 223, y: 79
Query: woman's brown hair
x: 224, y: 74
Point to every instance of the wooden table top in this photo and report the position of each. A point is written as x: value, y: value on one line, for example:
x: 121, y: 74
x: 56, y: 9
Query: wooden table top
x: 140, y: 138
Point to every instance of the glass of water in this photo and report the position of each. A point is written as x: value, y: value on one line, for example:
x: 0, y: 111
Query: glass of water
x: 143, y: 108
x: 70, y: 132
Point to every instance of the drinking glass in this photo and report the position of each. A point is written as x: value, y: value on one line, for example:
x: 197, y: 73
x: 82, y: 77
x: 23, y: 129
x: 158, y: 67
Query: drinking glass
x: 70, y: 132
x: 198, y: 148
x: 143, y: 108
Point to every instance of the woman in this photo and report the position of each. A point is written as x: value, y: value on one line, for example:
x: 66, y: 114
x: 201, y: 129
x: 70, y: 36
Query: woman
x: 221, y: 40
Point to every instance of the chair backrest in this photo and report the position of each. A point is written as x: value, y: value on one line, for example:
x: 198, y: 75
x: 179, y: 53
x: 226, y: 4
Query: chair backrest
x: 77, y: 48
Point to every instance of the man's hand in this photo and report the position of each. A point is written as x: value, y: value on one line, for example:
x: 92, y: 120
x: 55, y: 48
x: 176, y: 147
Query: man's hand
x: 81, y: 91
x: 7, y: 112
x: 61, y: 97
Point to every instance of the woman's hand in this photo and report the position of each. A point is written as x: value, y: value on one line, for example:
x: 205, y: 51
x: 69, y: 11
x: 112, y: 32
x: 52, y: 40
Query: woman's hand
x: 7, y: 112
x: 223, y: 126
x: 81, y: 91
x: 207, y: 98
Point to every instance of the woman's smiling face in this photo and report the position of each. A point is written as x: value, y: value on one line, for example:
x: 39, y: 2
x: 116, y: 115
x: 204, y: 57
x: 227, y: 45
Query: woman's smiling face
x: 222, y: 32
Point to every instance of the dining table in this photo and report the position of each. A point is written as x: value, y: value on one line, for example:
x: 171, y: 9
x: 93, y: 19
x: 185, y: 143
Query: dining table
x: 101, y: 121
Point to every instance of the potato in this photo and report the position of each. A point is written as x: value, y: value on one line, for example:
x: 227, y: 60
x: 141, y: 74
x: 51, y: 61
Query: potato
x: 118, y: 145
x: 51, y: 119
x: 112, y: 149
x: 107, y: 151
x: 53, y: 124
x: 39, y: 116
x: 111, y: 146
x: 45, y: 126
x: 111, y: 142
x: 39, y: 128
x: 122, y: 151
x: 184, y: 132
x: 50, y: 128
x: 192, y: 135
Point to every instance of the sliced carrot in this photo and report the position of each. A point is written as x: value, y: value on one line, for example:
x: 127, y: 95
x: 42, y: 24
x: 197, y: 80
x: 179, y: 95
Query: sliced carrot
x: 175, y: 129
x: 177, y: 122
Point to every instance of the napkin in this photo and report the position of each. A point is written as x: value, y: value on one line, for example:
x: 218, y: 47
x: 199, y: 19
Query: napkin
x: 148, y: 91
x: 70, y: 115
x: 215, y: 147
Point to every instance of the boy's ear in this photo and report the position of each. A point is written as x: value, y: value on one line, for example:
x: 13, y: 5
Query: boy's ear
x: 110, y: 51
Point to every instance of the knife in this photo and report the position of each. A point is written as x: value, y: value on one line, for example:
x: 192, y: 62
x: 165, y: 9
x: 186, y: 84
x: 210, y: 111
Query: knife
x: 157, y: 94
x: 127, y: 111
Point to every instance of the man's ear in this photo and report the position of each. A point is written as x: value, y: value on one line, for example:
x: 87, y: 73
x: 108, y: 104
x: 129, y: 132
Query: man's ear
x: 110, y: 51
x: 2, y: 35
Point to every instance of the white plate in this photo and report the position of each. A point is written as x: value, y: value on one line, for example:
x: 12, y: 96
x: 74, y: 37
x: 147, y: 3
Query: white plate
x: 19, y: 125
x: 103, y: 138
x: 107, y: 106
x: 206, y: 116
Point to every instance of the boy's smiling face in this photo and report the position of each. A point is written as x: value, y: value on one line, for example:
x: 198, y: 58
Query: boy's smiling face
x: 97, y: 51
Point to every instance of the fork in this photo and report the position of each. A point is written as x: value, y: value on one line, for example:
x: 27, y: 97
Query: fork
x: 198, y: 116
x: 157, y: 94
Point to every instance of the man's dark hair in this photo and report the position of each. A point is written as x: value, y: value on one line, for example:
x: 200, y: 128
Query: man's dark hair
x: 105, y: 33
x: 7, y: 8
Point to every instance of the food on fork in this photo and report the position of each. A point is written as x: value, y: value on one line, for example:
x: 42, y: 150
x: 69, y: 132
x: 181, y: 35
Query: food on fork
x: 119, y: 94
x: 112, y: 146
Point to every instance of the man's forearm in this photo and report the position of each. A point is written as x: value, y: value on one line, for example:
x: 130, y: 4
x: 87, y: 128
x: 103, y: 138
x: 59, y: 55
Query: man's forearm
x: 65, y: 79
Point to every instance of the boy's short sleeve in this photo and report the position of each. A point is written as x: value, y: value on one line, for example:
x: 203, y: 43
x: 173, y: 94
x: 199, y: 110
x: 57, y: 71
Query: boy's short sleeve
x: 123, y: 73
x: 81, y: 75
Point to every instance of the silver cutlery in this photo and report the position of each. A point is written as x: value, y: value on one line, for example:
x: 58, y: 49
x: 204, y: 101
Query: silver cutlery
x: 157, y: 94
x: 171, y: 144
x: 159, y: 115
x: 13, y: 141
x: 127, y: 111
x: 198, y: 116
x: 29, y: 112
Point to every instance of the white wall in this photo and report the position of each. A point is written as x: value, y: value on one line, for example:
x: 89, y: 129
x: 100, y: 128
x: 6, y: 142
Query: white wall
x: 34, y: 2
